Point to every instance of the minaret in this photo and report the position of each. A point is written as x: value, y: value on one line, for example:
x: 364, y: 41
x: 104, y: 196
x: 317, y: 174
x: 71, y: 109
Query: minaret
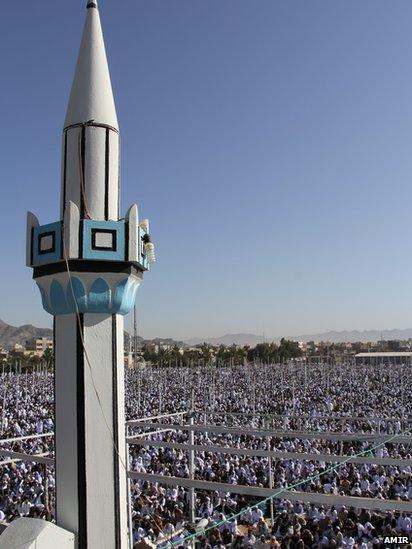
x: 88, y: 266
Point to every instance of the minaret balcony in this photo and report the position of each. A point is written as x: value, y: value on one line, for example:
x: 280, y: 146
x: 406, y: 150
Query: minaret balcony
x: 87, y: 265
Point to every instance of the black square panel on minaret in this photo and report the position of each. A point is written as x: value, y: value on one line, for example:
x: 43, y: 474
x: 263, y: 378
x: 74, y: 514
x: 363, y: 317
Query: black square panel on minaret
x: 46, y: 243
x: 103, y: 240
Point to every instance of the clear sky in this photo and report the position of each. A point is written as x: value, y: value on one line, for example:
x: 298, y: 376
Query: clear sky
x: 269, y: 142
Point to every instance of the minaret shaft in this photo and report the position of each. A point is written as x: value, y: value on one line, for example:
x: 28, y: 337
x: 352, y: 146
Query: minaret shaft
x: 90, y: 171
x: 91, y: 497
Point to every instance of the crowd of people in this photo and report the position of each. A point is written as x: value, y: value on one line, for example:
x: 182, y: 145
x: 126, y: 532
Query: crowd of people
x: 297, y: 402
x: 26, y: 488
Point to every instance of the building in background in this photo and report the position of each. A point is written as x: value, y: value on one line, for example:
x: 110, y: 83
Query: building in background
x: 38, y: 346
x: 387, y: 358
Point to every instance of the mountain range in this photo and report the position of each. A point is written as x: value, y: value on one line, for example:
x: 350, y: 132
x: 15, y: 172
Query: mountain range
x: 9, y: 335
x: 332, y: 336
x: 228, y: 339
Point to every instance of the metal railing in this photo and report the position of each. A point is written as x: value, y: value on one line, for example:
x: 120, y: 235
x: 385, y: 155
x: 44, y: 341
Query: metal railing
x: 156, y: 427
x: 145, y: 439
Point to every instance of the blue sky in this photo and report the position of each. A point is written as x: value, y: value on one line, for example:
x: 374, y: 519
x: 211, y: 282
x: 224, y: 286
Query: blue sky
x: 269, y: 142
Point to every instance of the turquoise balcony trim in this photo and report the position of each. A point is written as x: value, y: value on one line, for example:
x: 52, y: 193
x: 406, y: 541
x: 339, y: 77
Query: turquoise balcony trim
x: 67, y: 298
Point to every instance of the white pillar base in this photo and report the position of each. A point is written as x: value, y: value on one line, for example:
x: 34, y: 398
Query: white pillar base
x: 30, y: 533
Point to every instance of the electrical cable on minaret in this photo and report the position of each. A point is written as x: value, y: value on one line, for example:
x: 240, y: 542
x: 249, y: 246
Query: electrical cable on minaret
x: 88, y: 266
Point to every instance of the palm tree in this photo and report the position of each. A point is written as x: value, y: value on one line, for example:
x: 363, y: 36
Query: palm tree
x: 48, y: 357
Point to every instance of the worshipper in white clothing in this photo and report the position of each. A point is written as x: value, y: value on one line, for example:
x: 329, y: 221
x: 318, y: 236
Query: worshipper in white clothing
x: 249, y: 539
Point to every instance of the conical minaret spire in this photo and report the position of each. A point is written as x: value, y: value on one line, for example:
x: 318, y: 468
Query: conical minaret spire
x: 90, y: 159
x: 91, y: 96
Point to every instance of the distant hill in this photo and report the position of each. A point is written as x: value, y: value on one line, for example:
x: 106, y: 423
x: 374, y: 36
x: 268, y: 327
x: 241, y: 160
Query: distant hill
x: 167, y: 341
x: 228, y: 339
x: 10, y: 335
x: 356, y: 335
x: 331, y: 336
x: 128, y: 337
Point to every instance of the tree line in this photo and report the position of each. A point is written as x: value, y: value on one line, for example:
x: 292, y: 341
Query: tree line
x: 222, y: 355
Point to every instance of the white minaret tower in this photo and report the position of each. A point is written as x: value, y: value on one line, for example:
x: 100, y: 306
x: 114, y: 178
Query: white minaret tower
x: 88, y: 266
